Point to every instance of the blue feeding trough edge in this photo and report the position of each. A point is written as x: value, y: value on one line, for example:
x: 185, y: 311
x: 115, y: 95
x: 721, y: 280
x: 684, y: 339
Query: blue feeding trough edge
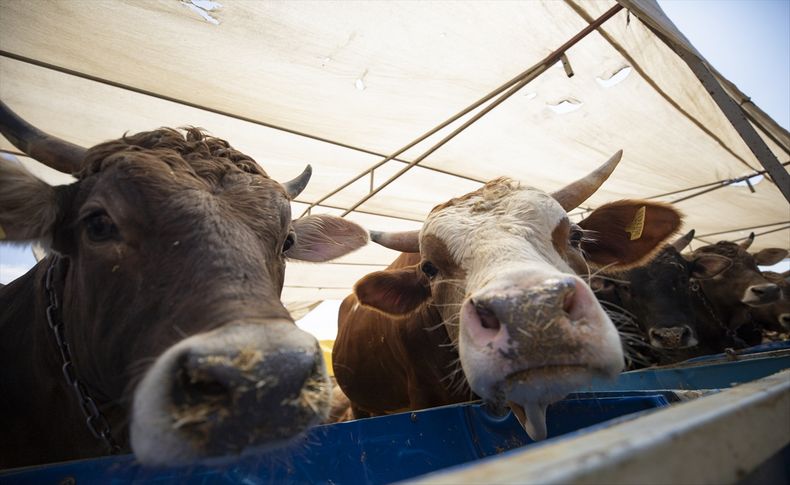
x: 376, y: 450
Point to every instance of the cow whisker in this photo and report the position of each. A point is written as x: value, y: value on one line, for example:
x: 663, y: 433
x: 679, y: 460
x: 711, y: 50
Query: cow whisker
x: 180, y: 332
x: 608, y: 306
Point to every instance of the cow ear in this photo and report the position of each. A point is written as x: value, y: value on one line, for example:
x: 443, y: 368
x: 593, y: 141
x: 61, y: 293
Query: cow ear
x: 28, y: 206
x: 769, y: 256
x: 707, y: 266
x: 323, y: 237
x: 626, y: 233
x: 393, y: 291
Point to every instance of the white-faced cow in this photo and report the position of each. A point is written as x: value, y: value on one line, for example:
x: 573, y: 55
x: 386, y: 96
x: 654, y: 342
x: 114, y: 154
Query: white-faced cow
x: 157, y: 317
x: 494, y: 288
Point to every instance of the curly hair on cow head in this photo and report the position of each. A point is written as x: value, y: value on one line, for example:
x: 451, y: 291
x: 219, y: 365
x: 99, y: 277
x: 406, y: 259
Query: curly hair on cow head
x: 723, y: 248
x: 189, y: 148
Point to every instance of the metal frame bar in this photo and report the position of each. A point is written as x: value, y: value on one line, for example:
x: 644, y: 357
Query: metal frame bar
x: 728, y: 434
x: 511, y: 87
x: 734, y: 114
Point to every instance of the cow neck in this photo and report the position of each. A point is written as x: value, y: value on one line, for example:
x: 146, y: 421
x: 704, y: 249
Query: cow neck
x: 696, y: 288
x: 95, y: 420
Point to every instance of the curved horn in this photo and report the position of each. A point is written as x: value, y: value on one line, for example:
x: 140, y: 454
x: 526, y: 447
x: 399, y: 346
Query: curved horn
x: 574, y: 194
x: 748, y: 242
x: 51, y: 151
x: 405, y: 241
x: 683, y: 241
x: 296, y: 186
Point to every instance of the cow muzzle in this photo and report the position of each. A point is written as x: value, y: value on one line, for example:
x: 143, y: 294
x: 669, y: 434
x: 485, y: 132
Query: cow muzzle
x: 244, y: 386
x: 764, y: 294
x: 530, y: 340
x: 677, y: 337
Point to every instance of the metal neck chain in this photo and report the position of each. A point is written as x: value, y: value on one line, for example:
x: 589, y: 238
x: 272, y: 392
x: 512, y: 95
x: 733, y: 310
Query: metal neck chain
x: 697, y: 289
x: 97, y: 423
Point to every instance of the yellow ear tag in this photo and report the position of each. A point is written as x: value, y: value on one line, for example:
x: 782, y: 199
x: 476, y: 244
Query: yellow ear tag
x: 636, y: 226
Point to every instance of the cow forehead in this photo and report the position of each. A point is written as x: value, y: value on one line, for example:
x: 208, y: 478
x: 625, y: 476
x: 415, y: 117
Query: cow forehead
x: 502, y: 213
x: 739, y: 256
x: 144, y: 187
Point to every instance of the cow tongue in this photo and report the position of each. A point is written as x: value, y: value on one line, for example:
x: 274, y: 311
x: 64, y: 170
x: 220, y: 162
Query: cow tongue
x: 532, y: 416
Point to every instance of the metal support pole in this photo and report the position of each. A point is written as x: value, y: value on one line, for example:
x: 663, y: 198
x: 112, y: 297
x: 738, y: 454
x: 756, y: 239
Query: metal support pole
x: 736, y: 116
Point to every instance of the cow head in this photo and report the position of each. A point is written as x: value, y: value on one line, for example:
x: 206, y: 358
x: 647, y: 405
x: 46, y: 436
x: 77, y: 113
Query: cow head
x: 741, y: 283
x: 173, y: 248
x: 500, y: 265
x: 659, y: 294
x: 775, y: 316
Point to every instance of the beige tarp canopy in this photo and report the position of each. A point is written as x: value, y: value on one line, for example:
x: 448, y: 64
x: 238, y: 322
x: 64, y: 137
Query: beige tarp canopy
x: 339, y: 85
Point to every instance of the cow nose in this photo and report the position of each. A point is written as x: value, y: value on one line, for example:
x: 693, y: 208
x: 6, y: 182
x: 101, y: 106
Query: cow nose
x: 679, y: 337
x: 223, y: 390
x: 515, y: 305
x: 765, y: 293
x: 207, y: 376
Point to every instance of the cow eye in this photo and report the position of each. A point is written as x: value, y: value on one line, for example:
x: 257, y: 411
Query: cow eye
x: 575, y: 236
x: 290, y: 239
x: 100, y: 227
x: 429, y: 269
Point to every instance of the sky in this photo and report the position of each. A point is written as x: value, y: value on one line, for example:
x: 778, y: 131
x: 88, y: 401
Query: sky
x: 748, y: 41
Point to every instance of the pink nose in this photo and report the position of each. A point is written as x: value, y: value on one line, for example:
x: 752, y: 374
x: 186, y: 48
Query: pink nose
x: 494, y: 314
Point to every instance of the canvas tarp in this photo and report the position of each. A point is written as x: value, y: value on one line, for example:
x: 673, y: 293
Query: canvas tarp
x: 341, y: 84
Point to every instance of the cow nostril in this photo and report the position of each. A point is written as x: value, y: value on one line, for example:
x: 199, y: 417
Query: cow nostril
x: 197, y: 380
x: 487, y: 318
x: 203, y: 385
x: 568, y: 300
x: 769, y: 290
x: 685, y: 333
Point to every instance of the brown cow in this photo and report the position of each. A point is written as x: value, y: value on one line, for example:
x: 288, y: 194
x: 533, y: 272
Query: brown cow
x: 775, y: 316
x: 731, y: 294
x: 162, y: 297
x: 493, y: 292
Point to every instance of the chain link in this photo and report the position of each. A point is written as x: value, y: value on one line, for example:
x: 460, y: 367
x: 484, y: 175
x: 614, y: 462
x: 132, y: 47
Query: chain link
x: 730, y: 333
x: 97, y: 423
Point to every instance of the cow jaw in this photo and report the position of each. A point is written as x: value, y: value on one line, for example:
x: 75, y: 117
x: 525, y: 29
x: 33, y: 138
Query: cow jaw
x: 213, y: 394
x: 531, y: 337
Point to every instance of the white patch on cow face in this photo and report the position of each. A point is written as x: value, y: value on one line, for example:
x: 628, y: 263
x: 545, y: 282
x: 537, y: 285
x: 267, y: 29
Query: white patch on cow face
x: 502, y: 226
x: 530, y: 329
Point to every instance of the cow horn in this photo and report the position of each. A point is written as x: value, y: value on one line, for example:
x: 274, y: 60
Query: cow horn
x: 748, y: 242
x: 52, y: 151
x: 683, y: 241
x: 405, y: 241
x: 295, y: 186
x: 574, y: 194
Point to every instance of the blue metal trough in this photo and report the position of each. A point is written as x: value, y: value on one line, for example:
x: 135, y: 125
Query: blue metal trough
x: 404, y: 446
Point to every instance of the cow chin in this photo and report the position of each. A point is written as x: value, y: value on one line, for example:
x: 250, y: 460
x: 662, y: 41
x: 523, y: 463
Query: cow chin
x: 227, y: 392
x: 529, y: 392
x: 534, y: 362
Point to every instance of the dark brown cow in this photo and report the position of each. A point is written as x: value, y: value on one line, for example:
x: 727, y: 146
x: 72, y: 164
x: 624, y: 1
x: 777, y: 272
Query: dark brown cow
x: 659, y: 296
x: 775, y: 316
x: 494, y: 293
x: 163, y: 290
x: 730, y: 295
